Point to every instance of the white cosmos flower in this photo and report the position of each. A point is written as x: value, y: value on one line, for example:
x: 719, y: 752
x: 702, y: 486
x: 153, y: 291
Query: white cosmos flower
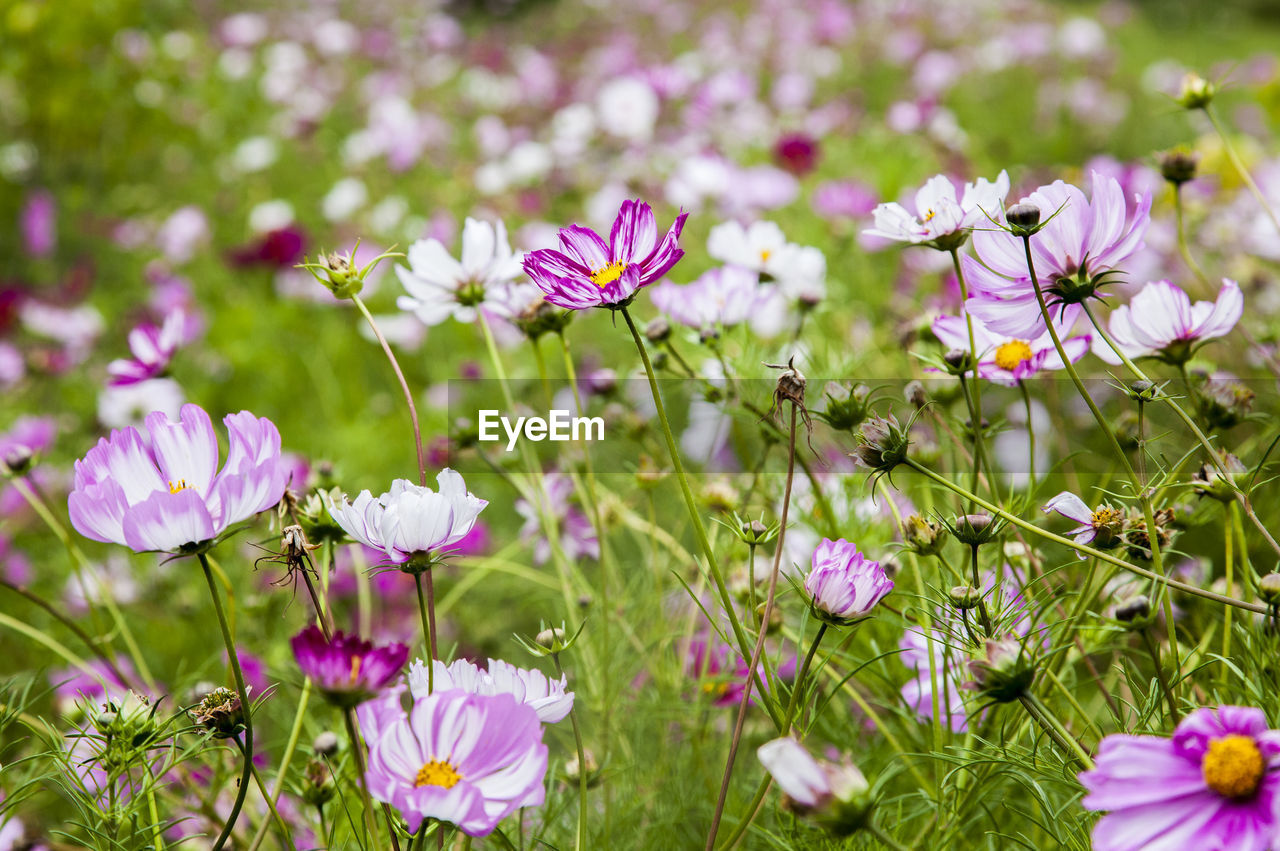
x: 439, y: 286
x: 939, y: 213
x: 544, y: 695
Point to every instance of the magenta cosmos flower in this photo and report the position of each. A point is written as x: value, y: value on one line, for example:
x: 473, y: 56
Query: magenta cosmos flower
x: 1161, y: 322
x: 468, y: 759
x: 587, y: 272
x: 548, y: 697
x: 1080, y: 245
x: 166, y: 493
x: 843, y: 584
x: 1213, y: 785
x: 411, y: 522
x: 1004, y: 359
x: 152, y: 348
x: 347, y: 669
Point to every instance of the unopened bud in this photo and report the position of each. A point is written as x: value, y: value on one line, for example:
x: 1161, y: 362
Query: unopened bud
x: 1269, y: 588
x: 965, y: 597
x: 1197, y: 92
x: 658, y: 330
x: 1178, y: 166
x: 1134, y: 611
x: 1023, y: 219
x: 327, y: 743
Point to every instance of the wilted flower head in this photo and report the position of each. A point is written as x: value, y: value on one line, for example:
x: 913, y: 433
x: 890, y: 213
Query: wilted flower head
x: 439, y: 286
x: 221, y: 713
x: 834, y: 795
x: 843, y: 584
x: 588, y: 272
x: 922, y: 536
x: 411, y: 523
x: 1214, y: 784
x: 941, y: 219
x: 1161, y: 322
x: 549, y: 698
x: 346, y: 669
x: 1103, y: 527
x: 882, y: 443
x: 1079, y: 245
x: 167, y: 493
x: 467, y: 759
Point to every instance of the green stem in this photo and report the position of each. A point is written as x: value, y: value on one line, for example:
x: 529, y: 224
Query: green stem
x: 1031, y: 438
x: 357, y: 753
x: 295, y: 733
x: 427, y: 612
x: 1183, y: 248
x: 974, y: 399
x: 581, y: 841
x: 1053, y: 727
x: 1154, y: 651
x: 793, y: 705
x: 246, y: 747
x: 271, y: 805
x: 404, y: 388
x: 885, y: 839
x: 1238, y: 164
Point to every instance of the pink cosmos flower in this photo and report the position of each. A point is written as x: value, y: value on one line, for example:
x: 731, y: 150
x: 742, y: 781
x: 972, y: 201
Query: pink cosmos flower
x: 1004, y: 359
x: 152, y: 349
x: 941, y: 218
x: 1213, y: 785
x: 1160, y: 321
x: 410, y: 521
x: 577, y: 535
x: 843, y: 584
x: 834, y: 793
x: 723, y: 296
x: 587, y: 272
x: 548, y: 697
x: 1080, y: 243
x: 166, y: 493
x: 917, y: 692
x: 467, y: 759
x: 347, y: 669
x: 39, y: 221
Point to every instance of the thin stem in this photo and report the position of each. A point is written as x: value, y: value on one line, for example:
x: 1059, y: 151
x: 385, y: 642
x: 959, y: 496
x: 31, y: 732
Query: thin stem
x: 1031, y: 438
x: 295, y: 733
x: 1083, y: 548
x: 427, y: 612
x: 885, y: 839
x: 581, y: 840
x: 246, y: 747
x: 974, y: 398
x: 96, y: 648
x: 271, y: 805
x: 1150, y: 644
x: 1239, y: 166
x: 1183, y: 248
x: 404, y: 388
x: 760, y: 639
x: 1053, y: 727
x: 357, y: 753
x: 793, y: 706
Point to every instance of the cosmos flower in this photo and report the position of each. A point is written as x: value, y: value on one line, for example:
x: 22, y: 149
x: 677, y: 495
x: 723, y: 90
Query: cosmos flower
x: 439, y: 286
x: 1004, y: 359
x: 941, y: 220
x: 843, y: 584
x: 278, y: 249
x: 721, y: 297
x: 463, y: 758
x: 167, y: 493
x: 1213, y: 785
x: 1101, y: 527
x: 347, y: 669
x: 587, y: 272
x: 918, y: 692
x: 577, y: 537
x: 410, y: 521
x: 548, y: 697
x: 834, y: 794
x: 152, y: 349
x: 1160, y: 321
x: 1079, y: 246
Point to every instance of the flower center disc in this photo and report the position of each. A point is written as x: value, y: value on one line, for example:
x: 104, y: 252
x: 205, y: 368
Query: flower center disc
x: 1233, y: 767
x: 603, y: 277
x: 179, y: 485
x: 1011, y: 355
x: 437, y: 773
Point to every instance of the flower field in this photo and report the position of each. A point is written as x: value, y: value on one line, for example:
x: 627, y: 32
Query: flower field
x: 523, y: 424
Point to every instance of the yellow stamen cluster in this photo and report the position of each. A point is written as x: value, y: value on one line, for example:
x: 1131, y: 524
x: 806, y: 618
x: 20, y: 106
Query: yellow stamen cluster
x: 603, y: 277
x: 1012, y: 354
x: 437, y: 773
x: 1107, y: 516
x: 1234, y: 766
x: 179, y: 485
x: 928, y: 217
x: 355, y: 668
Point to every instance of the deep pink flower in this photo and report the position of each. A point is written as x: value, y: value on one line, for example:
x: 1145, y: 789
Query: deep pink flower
x: 467, y: 759
x: 796, y: 152
x: 347, y: 669
x: 1079, y: 247
x: 587, y: 272
x: 281, y: 249
x: 166, y: 492
x: 152, y: 348
x: 1160, y: 321
x: 39, y: 224
x: 1213, y: 785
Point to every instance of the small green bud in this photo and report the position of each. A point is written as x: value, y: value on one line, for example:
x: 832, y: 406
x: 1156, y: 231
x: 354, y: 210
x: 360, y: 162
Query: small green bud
x: 1197, y: 92
x: 965, y: 597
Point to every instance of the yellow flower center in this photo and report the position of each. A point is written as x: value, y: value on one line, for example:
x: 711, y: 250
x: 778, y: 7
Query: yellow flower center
x: 715, y: 689
x: 1106, y: 516
x: 1012, y: 354
x: 765, y: 254
x: 355, y: 668
x: 603, y: 277
x: 928, y: 217
x: 437, y: 773
x: 1233, y: 767
x: 180, y: 485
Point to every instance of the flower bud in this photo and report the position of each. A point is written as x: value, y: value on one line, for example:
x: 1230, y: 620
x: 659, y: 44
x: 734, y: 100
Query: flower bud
x: 1023, y: 219
x: 974, y: 530
x: 1269, y: 588
x: 1003, y: 673
x: 1224, y: 404
x: 1197, y: 92
x: 965, y: 597
x: 1144, y: 391
x: 327, y: 743
x: 882, y: 444
x: 721, y: 496
x: 658, y: 330
x: 846, y: 407
x: 572, y: 770
x: 339, y: 274
x: 1135, y: 611
x: 1178, y: 166
x: 317, y: 784
x: 922, y: 536
x: 17, y: 461
x: 708, y: 335
x: 958, y: 361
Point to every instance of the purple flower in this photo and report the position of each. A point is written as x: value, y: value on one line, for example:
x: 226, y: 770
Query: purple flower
x: 587, y: 272
x: 347, y: 669
x: 1160, y: 321
x: 723, y: 296
x: 797, y: 153
x: 577, y: 535
x: 1080, y: 242
x: 152, y: 349
x: 917, y: 692
x: 1004, y: 359
x: 843, y: 584
x: 39, y: 224
x: 26, y: 437
x: 1101, y: 527
x: 941, y: 218
x: 467, y: 759
x: 167, y: 493
x: 1213, y: 785
x: 835, y: 794
x: 548, y: 697
x: 410, y: 521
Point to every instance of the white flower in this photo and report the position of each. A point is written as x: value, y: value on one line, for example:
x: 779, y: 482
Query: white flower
x: 545, y: 696
x: 410, y: 521
x: 129, y: 404
x: 346, y: 196
x: 808, y: 782
x: 439, y: 286
x: 1161, y: 321
x: 938, y: 212
x: 628, y: 108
